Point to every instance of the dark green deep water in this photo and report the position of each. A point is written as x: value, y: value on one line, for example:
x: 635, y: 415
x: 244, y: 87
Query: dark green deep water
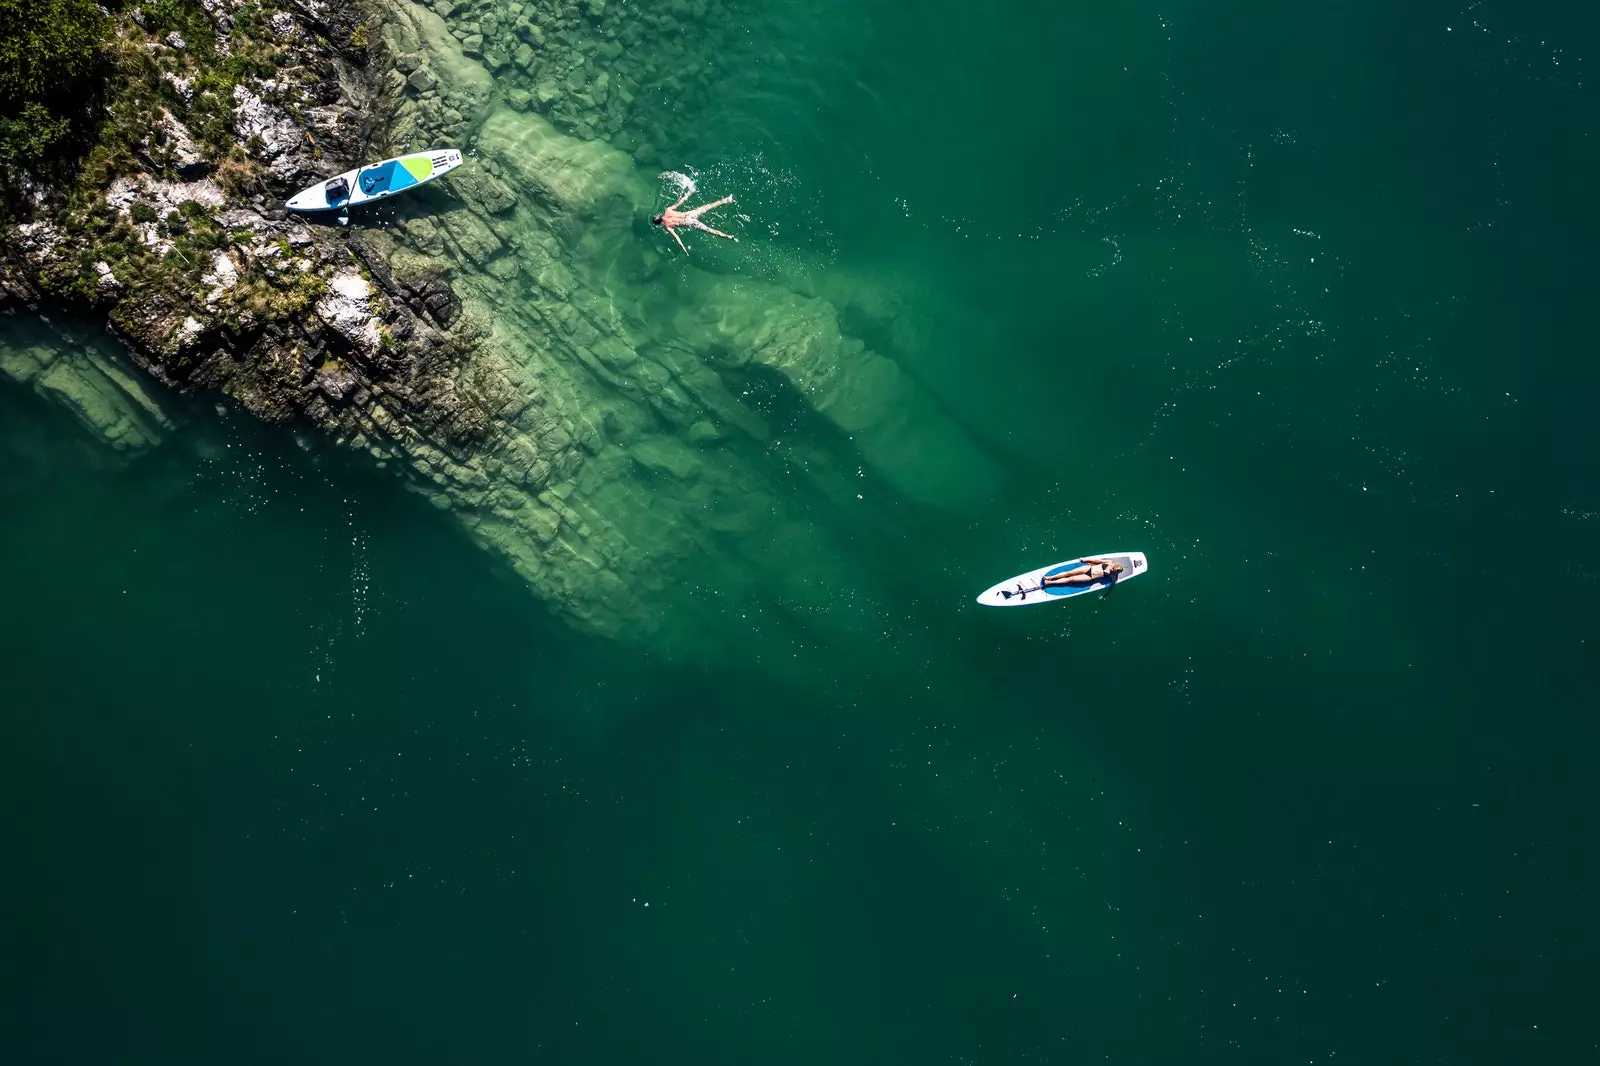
x: 1296, y: 298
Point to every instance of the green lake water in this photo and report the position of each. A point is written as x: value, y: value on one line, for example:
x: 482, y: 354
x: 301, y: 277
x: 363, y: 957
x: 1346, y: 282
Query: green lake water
x: 1295, y: 301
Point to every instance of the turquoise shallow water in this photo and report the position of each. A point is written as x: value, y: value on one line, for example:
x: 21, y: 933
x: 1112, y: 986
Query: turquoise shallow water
x: 1294, y: 301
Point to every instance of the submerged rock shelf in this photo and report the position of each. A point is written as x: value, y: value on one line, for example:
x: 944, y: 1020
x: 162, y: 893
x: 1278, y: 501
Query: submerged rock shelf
x: 616, y: 423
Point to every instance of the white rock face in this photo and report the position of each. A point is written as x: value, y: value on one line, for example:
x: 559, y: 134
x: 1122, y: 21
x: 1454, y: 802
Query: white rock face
x: 186, y: 155
x: 255, y: 117
x: 38, y: 239
x: 184, y: 86
x: 108, y: 280
x: 189, y: 331
x: 347, y: 308
x: 163, y: 196
x: 221, y: 277
x: 204, y: 191
x: 123, y: 192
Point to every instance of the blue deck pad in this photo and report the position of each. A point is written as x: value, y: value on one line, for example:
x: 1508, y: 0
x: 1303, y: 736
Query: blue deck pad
x: 1070, y: 590
x: 384, y: 178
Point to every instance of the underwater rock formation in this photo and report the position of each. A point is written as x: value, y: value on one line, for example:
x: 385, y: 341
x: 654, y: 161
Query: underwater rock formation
x: 640, y: 403
x: 666, y: 450
x: 86, y: 375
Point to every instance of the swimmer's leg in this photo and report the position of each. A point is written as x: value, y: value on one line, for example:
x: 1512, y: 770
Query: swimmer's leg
x: 701, y: 225
x: 706, y: 207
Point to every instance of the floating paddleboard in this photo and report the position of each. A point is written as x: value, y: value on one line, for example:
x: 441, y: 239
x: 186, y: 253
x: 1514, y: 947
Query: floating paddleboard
x: 376, y: 181
x: 1025, y: 590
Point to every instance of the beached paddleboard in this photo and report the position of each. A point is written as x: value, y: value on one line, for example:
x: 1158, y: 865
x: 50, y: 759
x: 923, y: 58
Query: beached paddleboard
x: 376, y: 181
x: 1024, y: 590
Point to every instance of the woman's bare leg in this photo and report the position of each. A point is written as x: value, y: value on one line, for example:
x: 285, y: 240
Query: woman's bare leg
x: 1076, y: 576
x: 706, y: 207
x: 697, y: 224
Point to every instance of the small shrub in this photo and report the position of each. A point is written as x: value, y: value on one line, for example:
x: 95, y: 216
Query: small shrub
x: 47, y: 44
x: 237, y: 172
x: 142, y: 212
x: 259, y: 298
x: 31, y: 136
x: 52, y: 55
x: 161, y: 17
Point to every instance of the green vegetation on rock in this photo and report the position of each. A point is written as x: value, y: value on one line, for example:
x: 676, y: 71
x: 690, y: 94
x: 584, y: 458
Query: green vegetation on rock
x: 143, y: 198
x: 51, y: 54
x: 47, y: 43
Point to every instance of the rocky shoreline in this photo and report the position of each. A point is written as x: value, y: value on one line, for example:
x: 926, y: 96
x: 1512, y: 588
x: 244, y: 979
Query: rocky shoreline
x: 188, y: 256
x: 617, y: 424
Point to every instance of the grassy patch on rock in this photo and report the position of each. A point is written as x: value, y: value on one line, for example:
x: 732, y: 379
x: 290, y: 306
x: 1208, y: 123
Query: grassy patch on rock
x: 88, y: 94
x: 153, y: 92
x: 53, y: 57
x: 146, y: 149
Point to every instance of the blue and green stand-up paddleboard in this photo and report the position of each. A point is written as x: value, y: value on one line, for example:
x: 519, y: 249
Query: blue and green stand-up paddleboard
x: 376, y: 181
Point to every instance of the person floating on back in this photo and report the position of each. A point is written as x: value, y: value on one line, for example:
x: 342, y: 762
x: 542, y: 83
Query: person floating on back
x: 672, y: 218
x: 1090, y: 571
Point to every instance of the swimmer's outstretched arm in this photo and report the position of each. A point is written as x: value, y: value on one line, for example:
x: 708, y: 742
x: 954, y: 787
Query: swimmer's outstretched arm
x: 678, y: 239
x: 681, y: 199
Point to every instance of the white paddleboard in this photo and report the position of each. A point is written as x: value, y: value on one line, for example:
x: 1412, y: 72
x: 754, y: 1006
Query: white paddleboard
x: 376, y: 181
x: 1025, y: 590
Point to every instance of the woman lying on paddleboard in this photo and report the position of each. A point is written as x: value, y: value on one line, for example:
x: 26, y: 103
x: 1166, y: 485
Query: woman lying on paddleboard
x: 1088, y: 573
